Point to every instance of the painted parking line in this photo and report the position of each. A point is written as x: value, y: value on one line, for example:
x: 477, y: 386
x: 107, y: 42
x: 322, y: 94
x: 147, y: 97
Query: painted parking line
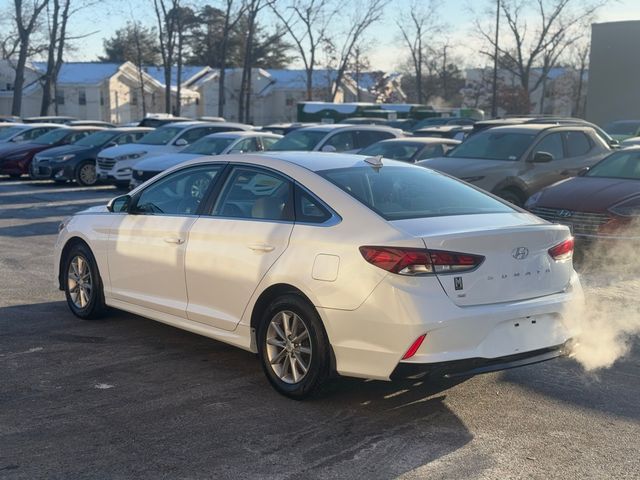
x: 35, y: 191
x: 89, y: 202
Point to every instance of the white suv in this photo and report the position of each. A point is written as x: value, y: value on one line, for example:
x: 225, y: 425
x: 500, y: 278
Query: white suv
x: 115, y: 164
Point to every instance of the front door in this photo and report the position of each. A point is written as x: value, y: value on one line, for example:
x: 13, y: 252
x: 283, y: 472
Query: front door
x: 231, y: 249
x: 147, y: 245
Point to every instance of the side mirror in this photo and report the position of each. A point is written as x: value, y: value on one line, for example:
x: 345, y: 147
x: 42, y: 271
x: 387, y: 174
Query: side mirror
x: 111, y: 144
x: 119, y: 204
x: 329, y: 148
x: 542, y: 157
x: 181, y: 142
x: 613, y: 143
x: 583, y: 171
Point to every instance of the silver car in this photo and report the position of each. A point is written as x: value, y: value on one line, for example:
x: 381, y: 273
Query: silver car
x: 515, y: 162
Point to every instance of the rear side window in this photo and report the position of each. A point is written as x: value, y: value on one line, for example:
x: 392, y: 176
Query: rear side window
x: 342, y: 141
x: 552, y: 144
x: 398, y: 193
x: 369, y: 137
x: 308, y: 208
x: 577, y: 144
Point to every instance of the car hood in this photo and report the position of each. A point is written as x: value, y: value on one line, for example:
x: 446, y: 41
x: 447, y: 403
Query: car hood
x: 160, y: 163
x: 67, y: 149
x: 14, y: 149
x: 129, y: 148
x: 96, y: 209
x: 463, y: 167
x: 589, y: 194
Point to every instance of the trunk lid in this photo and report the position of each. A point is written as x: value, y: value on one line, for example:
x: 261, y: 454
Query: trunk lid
x: 517, y: 265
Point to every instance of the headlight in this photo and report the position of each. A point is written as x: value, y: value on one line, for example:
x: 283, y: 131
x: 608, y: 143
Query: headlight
x: 124, y: 170
x: 130, y: 156
x: 472, y: 179
x: 63, y: 158
x: 627, y: 208
x: 533, y: 199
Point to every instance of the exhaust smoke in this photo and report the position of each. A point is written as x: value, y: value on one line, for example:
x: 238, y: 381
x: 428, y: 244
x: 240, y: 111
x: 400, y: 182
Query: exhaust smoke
x: 609, y: 322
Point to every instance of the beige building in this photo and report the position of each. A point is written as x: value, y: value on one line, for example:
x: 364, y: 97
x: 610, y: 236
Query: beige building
x: 614, y: 72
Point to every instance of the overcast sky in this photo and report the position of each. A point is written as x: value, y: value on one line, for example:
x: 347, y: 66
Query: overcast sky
x: 386, y: 51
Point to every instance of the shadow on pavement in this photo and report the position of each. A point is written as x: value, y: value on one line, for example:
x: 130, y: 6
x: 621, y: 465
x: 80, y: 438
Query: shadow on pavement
x: 30, y: 229
x: 126, y: 396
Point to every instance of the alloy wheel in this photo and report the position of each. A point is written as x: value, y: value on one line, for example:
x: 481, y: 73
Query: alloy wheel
x: 79, y: 281
x: 87, y: 174
x: 288, y: 346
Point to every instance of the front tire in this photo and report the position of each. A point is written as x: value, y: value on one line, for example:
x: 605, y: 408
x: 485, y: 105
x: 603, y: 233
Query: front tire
x: 86, y: 174
x: 293, y: 347
x: 82, y: 283
x: 511, y: 197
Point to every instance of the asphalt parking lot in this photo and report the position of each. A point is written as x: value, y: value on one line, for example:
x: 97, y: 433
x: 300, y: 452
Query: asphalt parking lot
x: 127, y: 397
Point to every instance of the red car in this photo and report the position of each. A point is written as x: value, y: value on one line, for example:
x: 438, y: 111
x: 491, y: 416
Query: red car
x: 16, y: 159
x: 602, y: 202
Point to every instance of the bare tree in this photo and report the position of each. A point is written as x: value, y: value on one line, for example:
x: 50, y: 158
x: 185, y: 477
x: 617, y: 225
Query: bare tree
x: 363, y: 16
x: 580, y: 61
x: 524, y: 48
x: 306, y: 22
x: 138, y: 53
x: 244, y: 102
x: 26, y: 22
x: 422, y: 22
x: 167, y: 38
x: 232, y: 15
x: 185, y: 18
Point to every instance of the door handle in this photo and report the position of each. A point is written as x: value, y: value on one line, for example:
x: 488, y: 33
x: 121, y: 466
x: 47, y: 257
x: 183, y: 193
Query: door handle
x: 261, y: 247
x: 174, y: 240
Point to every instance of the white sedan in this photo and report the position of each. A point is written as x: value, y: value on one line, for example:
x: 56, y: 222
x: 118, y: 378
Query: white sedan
x: 324, y: 262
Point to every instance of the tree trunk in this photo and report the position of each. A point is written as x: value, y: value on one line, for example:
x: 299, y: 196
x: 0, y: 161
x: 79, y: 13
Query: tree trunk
x: 222, y: 73
x: 16, y: 104
x: 179, y: 75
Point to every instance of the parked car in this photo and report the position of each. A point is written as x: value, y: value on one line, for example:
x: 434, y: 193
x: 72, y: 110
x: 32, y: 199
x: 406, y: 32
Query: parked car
x: 215, y: 144
x: 410, y: 150
x: 284, y: 128
x: 335, y: 138
x: 623, y: 129
x: 114, y: 164
x: 22, y: 132
x: 602, y: 202
x: 455, y: 132
x: 90, y: 123
x: 404, y: 124
x: 364, y: 121
x: 321, y: 262
x: 15, y: 160
x: 441, y: 121
x: 77, y: 161
x: 211, y: 119
x: 155, y: 120
x: 49, y: 119
x: 515, y: 162
x: 9, y: 119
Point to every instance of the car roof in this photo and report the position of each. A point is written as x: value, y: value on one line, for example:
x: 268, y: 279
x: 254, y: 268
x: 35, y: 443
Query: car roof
x: 131, y: 129
x: 420, y: 140
x: 37, y: 125
x: 198, y: 123
x: 330, y: 127
x: 244, y: 133
x: 445, y: 128
x: 84, y: 128
x: 537, y: 127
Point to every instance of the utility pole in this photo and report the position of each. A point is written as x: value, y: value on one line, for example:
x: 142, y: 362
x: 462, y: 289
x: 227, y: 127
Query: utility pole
x: 494, y: 97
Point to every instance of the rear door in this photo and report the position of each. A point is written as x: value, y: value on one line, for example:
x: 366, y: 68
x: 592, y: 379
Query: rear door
x: 232, y: 246
x: 539, y: 175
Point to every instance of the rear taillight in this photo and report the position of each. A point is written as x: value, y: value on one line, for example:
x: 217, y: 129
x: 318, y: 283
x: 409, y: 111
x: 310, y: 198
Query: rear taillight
x: 562, y: 251
x: 414, y: 347
x: 419, y: 261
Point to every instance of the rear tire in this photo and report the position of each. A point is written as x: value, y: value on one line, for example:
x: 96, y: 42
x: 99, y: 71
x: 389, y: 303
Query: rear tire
x: 293, y: 347
x: 15, y: 176
x: 85, y: 174
x: 511, y: 197
x: 82, y: 283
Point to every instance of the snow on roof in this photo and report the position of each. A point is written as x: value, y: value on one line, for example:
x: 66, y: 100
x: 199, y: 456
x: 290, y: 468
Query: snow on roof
x: 297, y: 79
x: 89, y: 73
x: 188, y: 71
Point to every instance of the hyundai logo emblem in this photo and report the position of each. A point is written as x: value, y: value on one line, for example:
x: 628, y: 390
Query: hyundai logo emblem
x: 520, y: 253
x: 565, y: 213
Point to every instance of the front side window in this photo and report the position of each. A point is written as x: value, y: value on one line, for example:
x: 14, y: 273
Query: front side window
x: 179, y: 193
x: 578, y: 144
x: 299, y: 140
x: 160, y: 136
x: 96, y: 139
x: 494, y: 145
x: 52, y: 137
x: 253, y: 193
x: 196, y: 134
x: 74, y: 137
x: 245, y: 145
x: 552, y: 144
x: 432, y: 151
x: 268, y: 142
x: 624, y: 164
x: 342, y: 141
x: 398, y: 193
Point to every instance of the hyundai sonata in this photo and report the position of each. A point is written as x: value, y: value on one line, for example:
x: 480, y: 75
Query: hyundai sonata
x: 324, y: 263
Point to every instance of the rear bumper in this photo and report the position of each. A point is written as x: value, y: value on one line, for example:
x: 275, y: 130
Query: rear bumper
x: 476, y: 366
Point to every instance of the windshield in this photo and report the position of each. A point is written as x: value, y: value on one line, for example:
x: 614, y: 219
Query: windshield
x: 9, y: 132
x: 209, y: 146
x: 52, y: 137
x: 623, y: 128
x: 494, y: 145
x: 301, y: 140
x: 624, y: 164
x: 393, y: 150
x: 96, y: 139
x: 398, y: 193
x: 161, y: 136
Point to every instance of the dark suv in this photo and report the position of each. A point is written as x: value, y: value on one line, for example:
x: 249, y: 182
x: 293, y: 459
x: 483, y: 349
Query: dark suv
x: 515, y: 162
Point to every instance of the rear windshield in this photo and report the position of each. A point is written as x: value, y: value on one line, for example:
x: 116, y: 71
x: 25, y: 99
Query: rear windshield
x: 161, y: 136
x: 494, y: 145
x: 624, y: 164
x: 299, y: 140
x: 209, y: 146
x: 394, y: 150
x: 397, y: 193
